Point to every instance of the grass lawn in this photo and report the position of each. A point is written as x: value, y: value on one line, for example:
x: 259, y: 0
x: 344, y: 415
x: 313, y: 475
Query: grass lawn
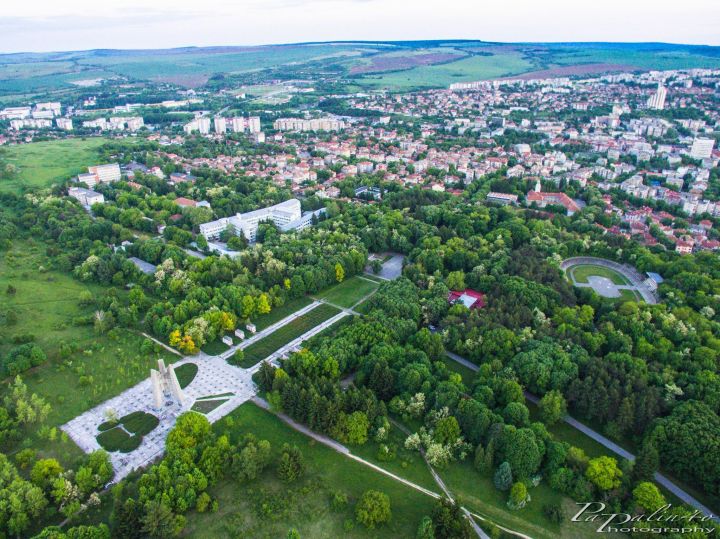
x: 581, y: 274
x: 91, y: 369
x: 186, y: 374
x: 268, y: 508
x: 117, y: 439
x: 264, y: 347
x: 477, y: 492
x: 126, y: 434
x: 205, y: 407
x: 407, y: 464
x: 43, y: 163
x: 215, y: 348
x: 349, y: 292
x: 278, y: 313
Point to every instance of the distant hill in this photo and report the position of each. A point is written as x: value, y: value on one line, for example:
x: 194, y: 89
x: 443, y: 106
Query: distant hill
x: 392, y: 65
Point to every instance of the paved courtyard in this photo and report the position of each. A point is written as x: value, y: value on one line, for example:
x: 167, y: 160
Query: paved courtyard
x: 391, y: 269
x: 603, y: 286
x: 214, y: 376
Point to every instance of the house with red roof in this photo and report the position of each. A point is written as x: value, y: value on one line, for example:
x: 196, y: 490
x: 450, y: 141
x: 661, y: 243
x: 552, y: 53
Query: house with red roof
x: 468, y: 297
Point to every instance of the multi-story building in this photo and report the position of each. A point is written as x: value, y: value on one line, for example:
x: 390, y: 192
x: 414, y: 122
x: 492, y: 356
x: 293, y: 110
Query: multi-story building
x: 219, y: 124
x: 100, y: 174
x: 64, y: 123
x: 657, y: 100
x: 286, y: 215
x: 200, y: 125
x: 702, y: 148
x: 86, y: 197
x: 316, y: 124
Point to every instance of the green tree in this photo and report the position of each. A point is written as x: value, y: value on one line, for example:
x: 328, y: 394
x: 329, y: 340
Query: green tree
x: 447, y: 430
x: 604, y: 473
x: 648, y: 496
x: 160, y: 522
x: 518, y: 495
x: 44, y: 472
x: 291, y: 465
x: 449, y: 522
x: 373, y: 508
x: 339, y: 272
x: 503, y: 477
x: 552, y: 407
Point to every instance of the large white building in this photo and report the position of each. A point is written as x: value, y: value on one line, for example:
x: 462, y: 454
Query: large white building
x: 64, y: 123
x: 657, y: 100
x: 316, y: 124
x: 100, y: 174
x: 240, y: 124
x: 201, y: 125
x: 220, y: 124
x: 86, y: 197
x: 286, y: 216
x: 702, y: 148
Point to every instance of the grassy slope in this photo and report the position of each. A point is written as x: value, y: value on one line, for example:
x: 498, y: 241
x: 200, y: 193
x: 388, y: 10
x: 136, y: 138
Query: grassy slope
x: 467, y: 69
x: 42, y: 163
x: 268, y: 508
x: 102, y: 367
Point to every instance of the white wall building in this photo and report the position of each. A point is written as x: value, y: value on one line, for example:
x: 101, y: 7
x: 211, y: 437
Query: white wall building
x: 86, y: 197
x: 64, y: 123
x: 702, y: 148
x: 220, y: 124
x: 286, y: 215
x: 200, y: 125
x: 316, y: 124
x: 657, y: 100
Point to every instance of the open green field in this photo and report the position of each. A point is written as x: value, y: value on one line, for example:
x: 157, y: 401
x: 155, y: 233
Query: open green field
x: 83, y: 369
x: 465, y: 70
x: 269, y: 508
x: 41, y: 164
x: 581, y: 273
x: 264, y: 347
x: 349, y: 292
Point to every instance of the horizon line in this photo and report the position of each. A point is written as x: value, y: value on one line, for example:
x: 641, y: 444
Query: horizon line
x: 362, y: 42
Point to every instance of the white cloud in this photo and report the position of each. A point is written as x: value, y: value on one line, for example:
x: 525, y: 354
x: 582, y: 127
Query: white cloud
x: 82, y: 24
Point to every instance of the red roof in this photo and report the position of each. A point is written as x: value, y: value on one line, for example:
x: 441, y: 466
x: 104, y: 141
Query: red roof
x: 466, y: 297
x: 182, y: 201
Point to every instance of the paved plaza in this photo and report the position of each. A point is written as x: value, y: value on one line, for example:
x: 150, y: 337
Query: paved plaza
x: 214, y: 377
x: 391, y: 269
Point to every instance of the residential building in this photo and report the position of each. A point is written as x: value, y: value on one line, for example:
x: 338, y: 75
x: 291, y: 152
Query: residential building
x: 86, y: 197
x: 657, y: 100
x: 702, y: 148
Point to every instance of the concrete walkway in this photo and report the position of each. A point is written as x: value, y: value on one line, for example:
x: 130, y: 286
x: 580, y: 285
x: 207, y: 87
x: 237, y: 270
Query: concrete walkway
x: 609, y: 444
x: 268, y: 330
x: 294, y: 345
x: 340, y: 448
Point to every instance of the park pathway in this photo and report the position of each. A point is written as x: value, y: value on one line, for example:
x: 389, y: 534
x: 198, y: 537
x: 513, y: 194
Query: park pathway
x: 340, y: 448
x: 609, y: 444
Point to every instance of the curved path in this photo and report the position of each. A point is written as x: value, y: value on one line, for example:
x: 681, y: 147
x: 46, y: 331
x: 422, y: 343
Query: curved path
x: 612, y: 446
x: 627, y: 271
x: 340, y: 448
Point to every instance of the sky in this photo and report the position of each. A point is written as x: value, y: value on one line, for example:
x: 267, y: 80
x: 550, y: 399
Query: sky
x: 62, y: 25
